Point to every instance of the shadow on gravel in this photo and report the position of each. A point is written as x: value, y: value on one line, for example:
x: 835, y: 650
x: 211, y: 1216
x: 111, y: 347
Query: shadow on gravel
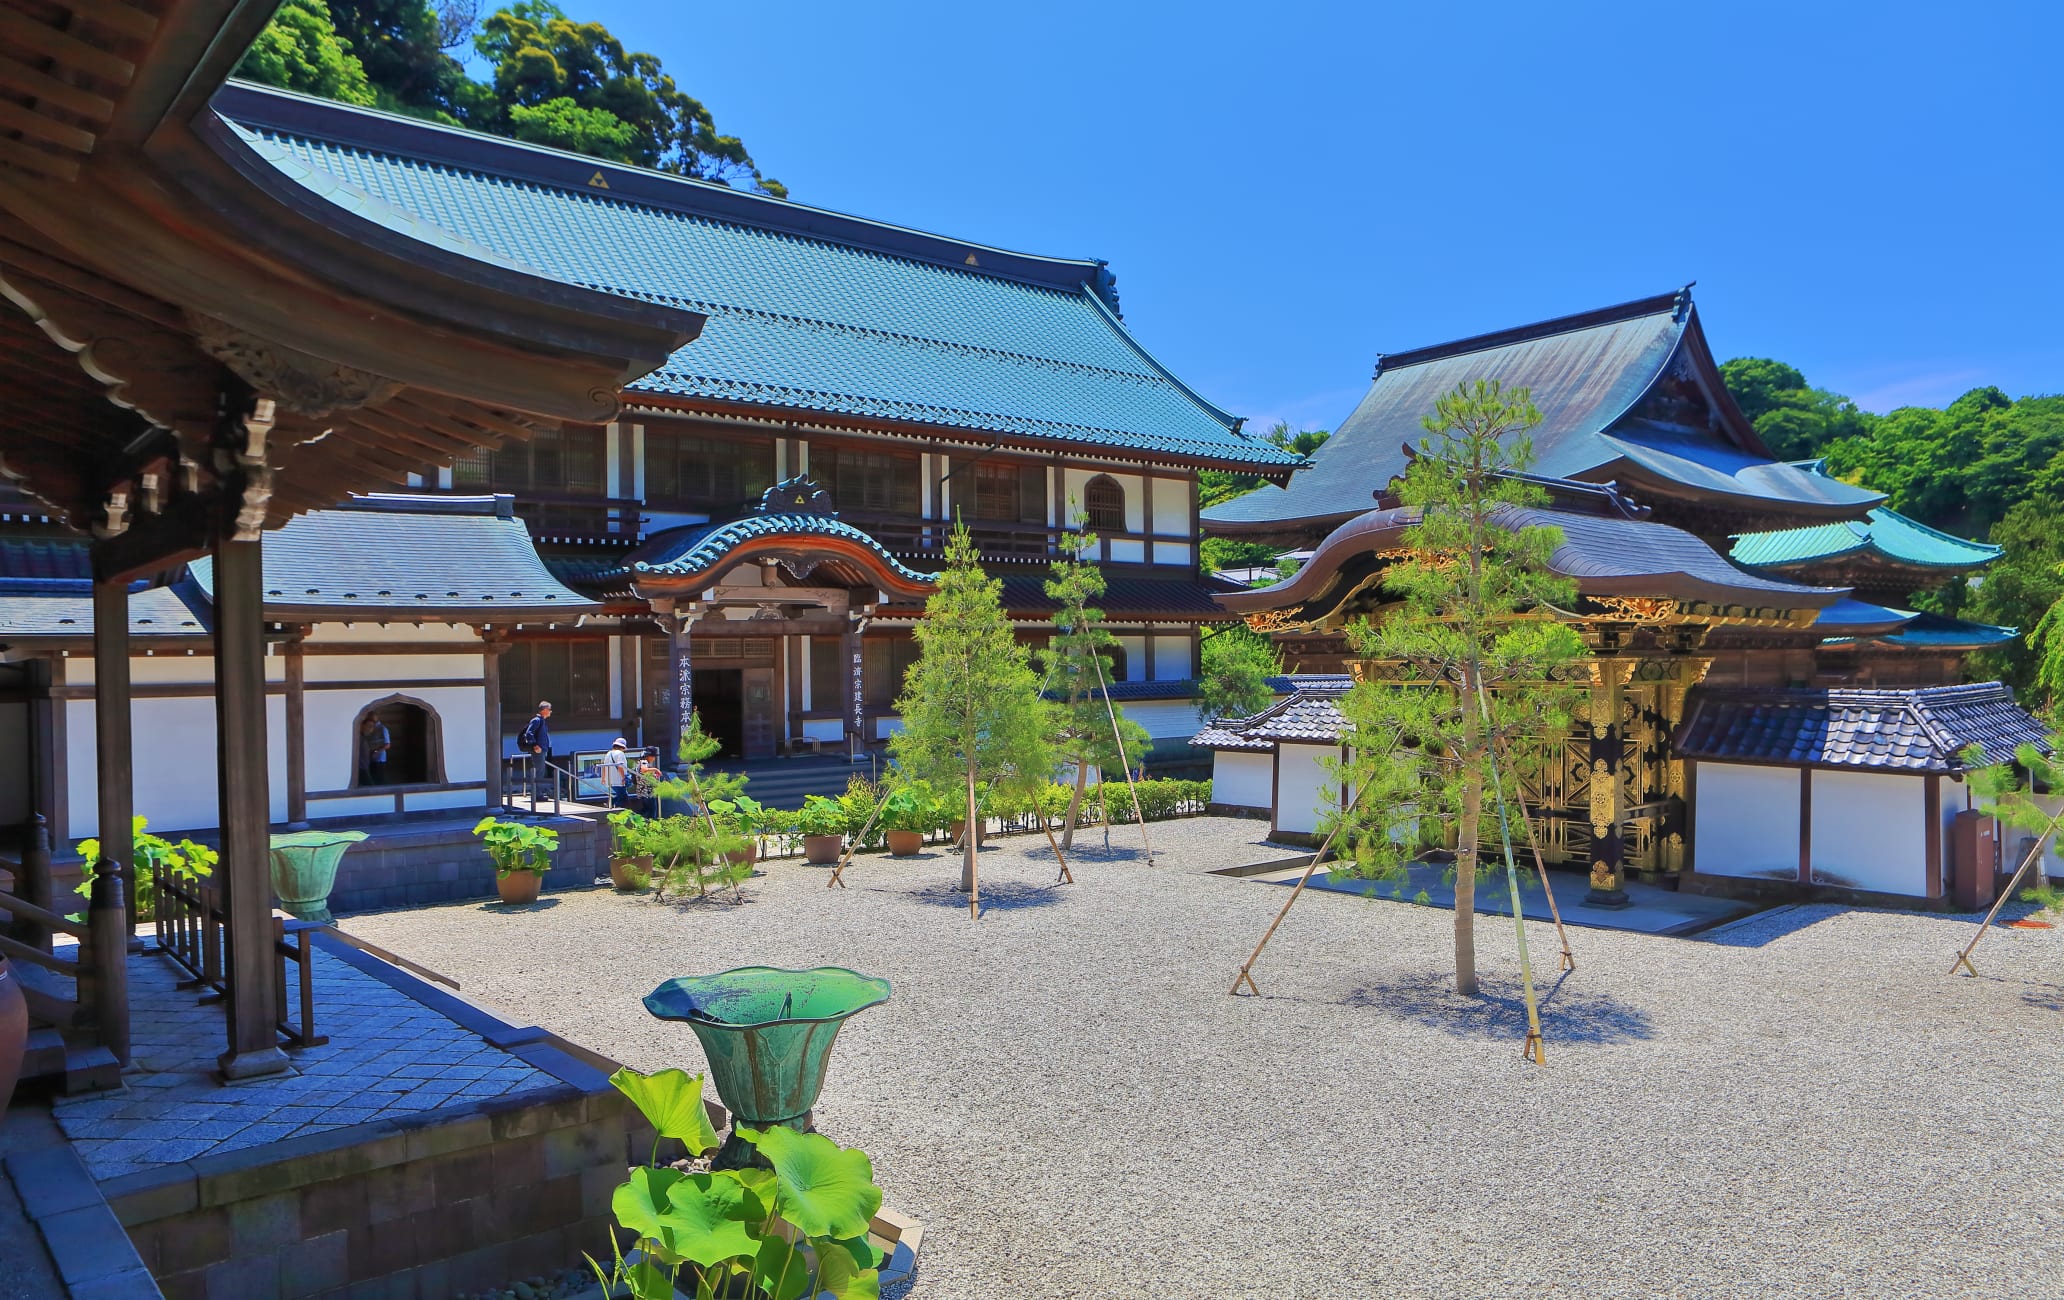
x: 1760, y: 928
x: 1567, y: 1015
x: 1004, y: 896
x: 511, y: 909
x: 2044, y: 999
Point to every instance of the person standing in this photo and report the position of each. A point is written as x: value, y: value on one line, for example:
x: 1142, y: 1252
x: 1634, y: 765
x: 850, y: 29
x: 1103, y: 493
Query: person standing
x: 536, y: 746
x: 373, y: 744
x: 616, y: 772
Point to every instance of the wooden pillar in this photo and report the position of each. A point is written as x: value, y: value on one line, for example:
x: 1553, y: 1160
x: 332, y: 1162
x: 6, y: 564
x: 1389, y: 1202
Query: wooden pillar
x: 244, y: 875
x: 297, y: 734
x: 798, y: 689
x: 1805, y: 825
x: 32, y: 882
x: 629, y: 704
x: 116, y: 771
x: 491, y: 650
x: 1608, y: 795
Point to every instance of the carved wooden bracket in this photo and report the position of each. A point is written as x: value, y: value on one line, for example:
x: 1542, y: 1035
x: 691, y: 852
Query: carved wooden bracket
x: 302, y: 383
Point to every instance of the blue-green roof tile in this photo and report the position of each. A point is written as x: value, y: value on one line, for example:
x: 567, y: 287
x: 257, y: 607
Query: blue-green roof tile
x: 807, y: 309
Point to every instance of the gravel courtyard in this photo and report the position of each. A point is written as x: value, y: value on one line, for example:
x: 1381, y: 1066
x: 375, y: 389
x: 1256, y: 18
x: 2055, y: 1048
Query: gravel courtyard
x: 1803, y: 1105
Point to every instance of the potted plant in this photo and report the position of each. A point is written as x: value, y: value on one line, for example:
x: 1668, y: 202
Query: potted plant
x: 521, y: 852
x: 629, y: 860
x: 823, y: 826
x: 744, y: 817
x: 910, y: 810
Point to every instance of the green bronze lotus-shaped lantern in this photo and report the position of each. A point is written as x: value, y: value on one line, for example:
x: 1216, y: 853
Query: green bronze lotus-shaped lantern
x: 767, y: 1033
x: 304, y: 870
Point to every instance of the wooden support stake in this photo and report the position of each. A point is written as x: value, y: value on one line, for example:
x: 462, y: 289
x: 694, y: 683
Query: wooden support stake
x: 1123, y: 761
x: 854, y: 847
x: 1246, y: 975
x: 1963, y: 960
x: 1066, y: 876
x: 1569, y: 960
x: 1535, y: 1048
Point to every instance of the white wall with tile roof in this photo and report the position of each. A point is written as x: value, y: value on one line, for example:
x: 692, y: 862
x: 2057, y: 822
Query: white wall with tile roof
x: 1745, y: 821
x: 1301, y: 786
x: 1242, y: 780
x: 1870, y: 831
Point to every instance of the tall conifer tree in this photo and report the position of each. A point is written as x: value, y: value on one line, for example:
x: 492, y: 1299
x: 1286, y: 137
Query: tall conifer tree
x: 1077, y: 663
x: 971, y: 707
x: 1465, y: 663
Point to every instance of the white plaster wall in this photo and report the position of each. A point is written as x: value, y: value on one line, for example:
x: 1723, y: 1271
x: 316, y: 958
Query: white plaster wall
x: 1745, y: 821
x: 1136, y: 666
x: 360, y: 805
x: 1074, y: 481
x: 333, y: 746
x: 824, y: 728
x: 1171, y: 509
x: 1171, y: 658
x: 176, y: 670
x: 175, y: 763
x: 1870, y: 831
x: 1301, y: 781
x: 1166, y: 718
x: 1241, y: 779
x: 884, y: 727
x: 1124, y: 552
x: 1174, y: 553
x: 432, y: 799
x: 377, y: 668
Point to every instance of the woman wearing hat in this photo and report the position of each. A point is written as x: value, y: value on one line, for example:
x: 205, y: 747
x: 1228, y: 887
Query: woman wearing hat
x: 616, y: 773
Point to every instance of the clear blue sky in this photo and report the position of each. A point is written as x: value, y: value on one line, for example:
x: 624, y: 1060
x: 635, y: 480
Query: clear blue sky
x: 1872, y: 192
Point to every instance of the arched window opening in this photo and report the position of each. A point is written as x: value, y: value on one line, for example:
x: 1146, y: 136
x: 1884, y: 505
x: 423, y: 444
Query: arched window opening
x: 1103, y: 501
x: 397, y: 741
x: 1116, y: 655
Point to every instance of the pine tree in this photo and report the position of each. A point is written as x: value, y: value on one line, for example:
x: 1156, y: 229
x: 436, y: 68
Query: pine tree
x: 970, y: 705
x: 1077, y: 664
x: 1466, y: 662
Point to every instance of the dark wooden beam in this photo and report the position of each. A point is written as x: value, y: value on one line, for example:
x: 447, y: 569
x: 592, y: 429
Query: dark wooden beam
x: 491, y: 707
x: 182, y: 531
x: 244, y: 875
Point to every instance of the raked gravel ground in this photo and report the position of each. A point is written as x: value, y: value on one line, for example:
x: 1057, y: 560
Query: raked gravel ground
x: 1063, y: 1092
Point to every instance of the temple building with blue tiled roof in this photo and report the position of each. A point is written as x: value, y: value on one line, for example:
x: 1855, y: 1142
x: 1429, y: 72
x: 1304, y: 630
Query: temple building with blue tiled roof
x: 1714, y: 581
x: 899, y: 380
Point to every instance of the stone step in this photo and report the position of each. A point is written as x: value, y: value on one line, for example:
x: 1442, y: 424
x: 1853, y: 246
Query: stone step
x: 52, y: 998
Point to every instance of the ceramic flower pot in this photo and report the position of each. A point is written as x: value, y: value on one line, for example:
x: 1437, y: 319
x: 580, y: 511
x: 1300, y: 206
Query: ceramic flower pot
x: 519, y: 886
x: 621, y: 867
x: 822, y: 850
x: 954, y: 828
x: 304, y: 870
x: 905, y: 844
x: 14, y: 1032
x: 744, y: 857
x: 767, y: 1034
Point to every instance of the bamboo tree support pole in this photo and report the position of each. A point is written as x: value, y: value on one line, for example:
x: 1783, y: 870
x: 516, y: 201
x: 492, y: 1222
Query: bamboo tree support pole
x: 707, y: 816
x: 1124, y: 762
x: 1963, y: 960
x: 1246, y: 975
x: 1536, y: 1049
x: 1569, y: 960
x: 1066, y: 876
x: 854, y: 847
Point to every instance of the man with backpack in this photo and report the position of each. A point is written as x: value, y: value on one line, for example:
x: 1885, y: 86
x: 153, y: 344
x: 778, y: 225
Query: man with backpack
x: 535, y: 744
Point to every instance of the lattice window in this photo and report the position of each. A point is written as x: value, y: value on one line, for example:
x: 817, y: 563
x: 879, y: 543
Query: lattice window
x: 720, y: 475
x: 1103, y: 501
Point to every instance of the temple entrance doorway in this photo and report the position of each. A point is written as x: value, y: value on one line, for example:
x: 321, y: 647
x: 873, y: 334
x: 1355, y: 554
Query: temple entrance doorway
x: 719, y: 701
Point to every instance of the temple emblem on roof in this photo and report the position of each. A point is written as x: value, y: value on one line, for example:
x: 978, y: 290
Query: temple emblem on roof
x: 800, y: 495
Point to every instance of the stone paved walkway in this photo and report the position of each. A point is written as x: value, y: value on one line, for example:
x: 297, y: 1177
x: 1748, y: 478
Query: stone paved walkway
x: 387, y: 1056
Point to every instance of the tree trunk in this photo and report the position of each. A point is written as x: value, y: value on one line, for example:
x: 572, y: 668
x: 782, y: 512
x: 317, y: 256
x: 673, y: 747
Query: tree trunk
x: 970, y: 836
x: 1074, y: 805
x: 1465, y: 842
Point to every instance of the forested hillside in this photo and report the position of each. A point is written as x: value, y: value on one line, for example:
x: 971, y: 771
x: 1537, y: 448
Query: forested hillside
x: 552, y: 80
x: 1987, y: 466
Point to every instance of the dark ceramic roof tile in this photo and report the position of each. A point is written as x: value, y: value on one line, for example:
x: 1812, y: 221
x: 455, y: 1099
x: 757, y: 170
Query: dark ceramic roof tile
x: 1918, y: 731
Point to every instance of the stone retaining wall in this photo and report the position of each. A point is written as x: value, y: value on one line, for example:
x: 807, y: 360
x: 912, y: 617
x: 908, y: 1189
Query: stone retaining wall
x: 401, y: 866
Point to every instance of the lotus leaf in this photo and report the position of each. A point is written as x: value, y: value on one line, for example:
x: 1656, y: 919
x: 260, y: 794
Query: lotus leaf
x: 821, y: 1188
x: 670, y: 1101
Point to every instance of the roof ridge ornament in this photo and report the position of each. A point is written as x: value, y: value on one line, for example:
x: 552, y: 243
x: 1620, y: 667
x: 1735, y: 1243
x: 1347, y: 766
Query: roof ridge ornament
x: 1682, y: 308
x: 797, y: 495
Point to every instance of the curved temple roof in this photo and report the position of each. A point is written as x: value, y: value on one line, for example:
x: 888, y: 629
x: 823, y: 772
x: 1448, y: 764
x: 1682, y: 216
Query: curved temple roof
x: 1588, y: 375
x: 1912, y: 731
x: 700, y: 551
x: 466, y: 558
x: 808, y: 310
x: 1884, y: 535
x: 1606, y: 556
